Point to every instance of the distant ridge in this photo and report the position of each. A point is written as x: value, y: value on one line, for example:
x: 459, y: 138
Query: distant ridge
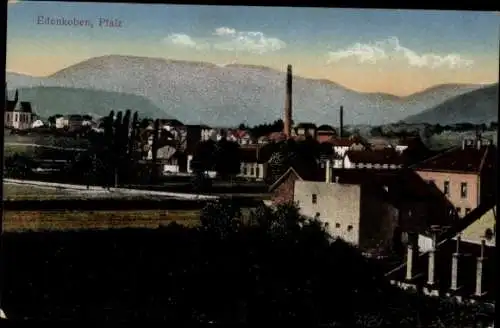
x: 197, y: 92
x: 477, y: 107
x: 49, y: 101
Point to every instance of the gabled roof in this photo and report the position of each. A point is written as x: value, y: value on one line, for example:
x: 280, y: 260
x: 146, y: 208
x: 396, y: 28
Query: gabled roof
x: 291, y: 170
x: 458, y: 159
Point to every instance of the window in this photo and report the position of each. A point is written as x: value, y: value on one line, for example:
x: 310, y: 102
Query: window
x: 314, y: 199
x: 257, y: 172
x: 337, y: 225
x: 244, y: 170
x: 431, y: 182
x: 349, y: 228
x: 488, y: 234
x: 251, y: 170
x: 463, y: 190
x: 317, y: 215
x: 467, y: 211
x: 446, y: 188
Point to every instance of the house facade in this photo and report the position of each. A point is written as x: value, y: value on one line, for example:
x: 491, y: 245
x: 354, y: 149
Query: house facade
x: 71, y: 122
x: 464, y: 174
x: 356, y: 213
x: 253, y: 165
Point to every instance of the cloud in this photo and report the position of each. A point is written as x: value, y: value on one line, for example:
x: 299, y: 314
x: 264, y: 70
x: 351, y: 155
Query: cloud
x: 229, y: 39
x: 184, y: 40
x: 391, y: 49
x: 221, y: 31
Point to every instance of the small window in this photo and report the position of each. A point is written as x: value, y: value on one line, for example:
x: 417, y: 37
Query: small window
x: 317, y: 215
x: 431, y: 182
x: 244, y: 170
x: 257, y: 172
x: 337, y: 225
x: 446, y: 188
x: 463, y: 190
x: 349, y: 228
x: 251, y: 170
x: 467, y: 211
x: 314, y: 198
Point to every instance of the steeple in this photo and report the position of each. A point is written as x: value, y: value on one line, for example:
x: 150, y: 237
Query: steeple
x: 16, y: 97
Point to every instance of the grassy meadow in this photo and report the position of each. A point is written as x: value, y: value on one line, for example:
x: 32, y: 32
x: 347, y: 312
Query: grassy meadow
x: 24, y: 221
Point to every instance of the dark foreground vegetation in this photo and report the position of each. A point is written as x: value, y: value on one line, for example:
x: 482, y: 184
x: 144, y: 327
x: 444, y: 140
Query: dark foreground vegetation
x: 279, y: 269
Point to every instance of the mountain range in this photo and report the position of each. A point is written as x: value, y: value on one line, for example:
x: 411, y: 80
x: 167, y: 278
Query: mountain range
x: 196, y: 92
x: 477, y: 107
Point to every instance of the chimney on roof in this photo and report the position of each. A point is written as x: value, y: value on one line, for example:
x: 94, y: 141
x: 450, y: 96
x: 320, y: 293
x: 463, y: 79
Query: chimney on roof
x: 341, y: 122
x: 287, y: 122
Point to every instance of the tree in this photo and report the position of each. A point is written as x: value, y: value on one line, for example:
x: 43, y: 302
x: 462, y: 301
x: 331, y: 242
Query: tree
x: 376, y: 131
x: 52, y: 119
x: 289, y: 153
x: 154, y: 151
x: 203, y: 157
x: 220, y: 218
x: 227, y: 160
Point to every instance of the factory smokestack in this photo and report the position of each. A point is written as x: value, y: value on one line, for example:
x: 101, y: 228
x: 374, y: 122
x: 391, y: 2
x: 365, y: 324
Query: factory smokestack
x: 287, y: 122
x: 341, y: 132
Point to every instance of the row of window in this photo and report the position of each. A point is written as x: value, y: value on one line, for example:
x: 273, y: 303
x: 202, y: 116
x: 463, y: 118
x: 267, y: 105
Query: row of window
x: 447, y: 186
x: 17, y: 118
x: 337, y: 225
x: 253, y: 171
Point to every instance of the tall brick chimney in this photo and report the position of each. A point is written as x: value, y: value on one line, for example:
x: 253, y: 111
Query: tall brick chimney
x: 341, y: 132
x: 287, y: 121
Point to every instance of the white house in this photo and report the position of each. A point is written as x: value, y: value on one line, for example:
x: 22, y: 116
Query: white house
x: 37, y: 124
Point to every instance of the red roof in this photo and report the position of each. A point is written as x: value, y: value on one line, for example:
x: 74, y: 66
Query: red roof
x: 468, y: 159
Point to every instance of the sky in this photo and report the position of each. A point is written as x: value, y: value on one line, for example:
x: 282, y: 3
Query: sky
x: 391, y: 51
